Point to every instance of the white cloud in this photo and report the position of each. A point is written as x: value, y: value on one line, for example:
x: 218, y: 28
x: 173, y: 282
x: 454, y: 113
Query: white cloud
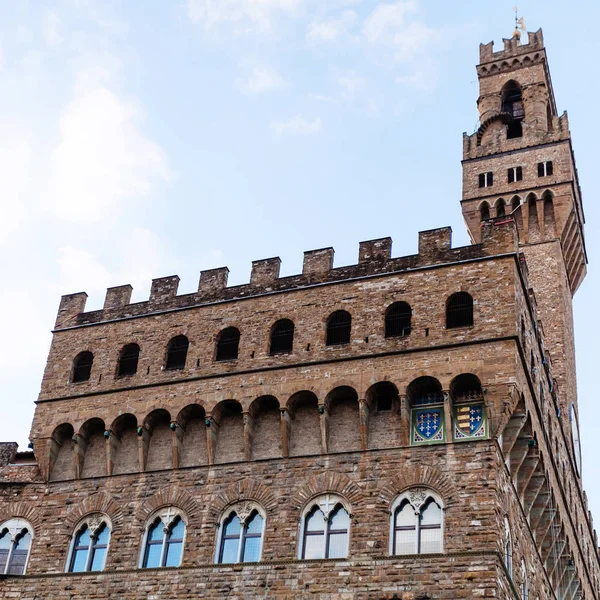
x: 261, y: 80
x: 243, y: 15
x: 350, y: 82
x: 50, y: 29
x: 297, y: 125
x: 388, y: 26
x: 331, y: 29
x: 102, y: 159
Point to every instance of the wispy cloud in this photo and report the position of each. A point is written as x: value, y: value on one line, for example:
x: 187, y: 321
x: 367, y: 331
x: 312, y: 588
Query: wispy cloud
x: 297, y: 125
x: 51, y: 26
x: 388, y: 26
x: 102, y: 159
x: 261, y: 80
x: 244, y: 16
x: 350, y: 82
x: 332, y: 29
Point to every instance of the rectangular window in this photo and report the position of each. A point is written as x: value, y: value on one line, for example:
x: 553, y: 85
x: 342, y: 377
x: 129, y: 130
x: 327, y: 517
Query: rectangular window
x: 515, y: 174
x: 486, y: 179
x: 545, y: 168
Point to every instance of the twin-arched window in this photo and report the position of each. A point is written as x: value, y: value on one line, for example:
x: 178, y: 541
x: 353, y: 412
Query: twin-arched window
x: 325, y: 529
x: 163, y: 544
x: 417, y: 526
x: 241, y: 535
x: 15, y: 543
x: 90, y: 545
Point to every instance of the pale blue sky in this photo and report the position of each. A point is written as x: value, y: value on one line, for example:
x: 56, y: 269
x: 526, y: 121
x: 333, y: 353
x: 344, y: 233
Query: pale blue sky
x: 142, y: 139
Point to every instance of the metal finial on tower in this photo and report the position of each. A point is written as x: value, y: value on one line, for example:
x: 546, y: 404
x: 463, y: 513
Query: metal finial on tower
x: 519, y: 24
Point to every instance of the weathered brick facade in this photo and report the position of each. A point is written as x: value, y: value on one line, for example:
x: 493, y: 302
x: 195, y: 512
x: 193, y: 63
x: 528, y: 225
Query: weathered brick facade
x: 278, y: 431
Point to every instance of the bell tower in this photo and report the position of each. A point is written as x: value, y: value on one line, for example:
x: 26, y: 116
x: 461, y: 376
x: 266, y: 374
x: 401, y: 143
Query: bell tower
x: 520, y: 164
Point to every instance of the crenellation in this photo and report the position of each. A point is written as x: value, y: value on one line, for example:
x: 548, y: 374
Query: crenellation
x: 317, y: 263
x: 71, y: 306
x: 512, y: 47
x: 265, y: 272
x: 213, y: 281
x: 117, y: 297
x: 434, y: 242
x: 163, y: 290
x: 375, y: 250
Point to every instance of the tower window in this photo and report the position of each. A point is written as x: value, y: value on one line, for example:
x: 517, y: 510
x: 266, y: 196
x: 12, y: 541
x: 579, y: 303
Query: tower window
x: 228, y: 344
x: 338, y: 328
x: 282, y: 337
x: 459, y: 310
x: 486, y: 179
x: 515, y: 174
x: 128, y: 361
x: 545, y: 169
x: 177, y: 352
x: 82, y: 367
x: 397, y: 320
x: 512, y: 104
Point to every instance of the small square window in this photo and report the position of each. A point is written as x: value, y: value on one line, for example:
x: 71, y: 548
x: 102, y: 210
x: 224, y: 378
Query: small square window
x: 515, y: 174
x: 545, y: 169
x: 486, y: 179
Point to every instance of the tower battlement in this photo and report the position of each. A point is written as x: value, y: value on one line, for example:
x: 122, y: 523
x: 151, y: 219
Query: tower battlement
x: 374, y: 258
x: 513, y: 47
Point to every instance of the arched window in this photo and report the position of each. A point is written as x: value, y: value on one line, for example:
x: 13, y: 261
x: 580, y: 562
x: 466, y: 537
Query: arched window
x: 15, y: 543
x: 466, y: 387
x: 282, y: 337
x: 228, y: 343
x: 524, y: 582
x: 240, y: 535
x: 163, y: 543
x: 507, y: 548
x: 484, y: 211
x: 397, y: 320
x: 177, y: 352
x: 82, y: 367
x: 128, y: 360
x: 500, y: 208
x: 512, y: 103
x: 325, y: 528
x: 417, y: 523
x: 459, y: 310
x: 90, y: 545
x: 424, y: 390
x: 339, y: 325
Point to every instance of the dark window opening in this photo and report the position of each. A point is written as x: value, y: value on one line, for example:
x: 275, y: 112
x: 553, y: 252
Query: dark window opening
x: 177, y: 352
x: 398, y: 320
x: 484, y: 211
x: 339, y: 326
x: 466, y: 387
x: 228, y: 344
x: 82, y: 367
x: 500, y: 208
x: 425, y: 390
x: 512, y: 103
x: 515, y: 174
x: 545, y: 169
x: 282, y: 337
x: 128, y: 361
x: 459, y: 310
x: 486, y: 179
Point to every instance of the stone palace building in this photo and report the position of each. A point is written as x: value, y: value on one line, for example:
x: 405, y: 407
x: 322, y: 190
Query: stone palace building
x: 402, y: 428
